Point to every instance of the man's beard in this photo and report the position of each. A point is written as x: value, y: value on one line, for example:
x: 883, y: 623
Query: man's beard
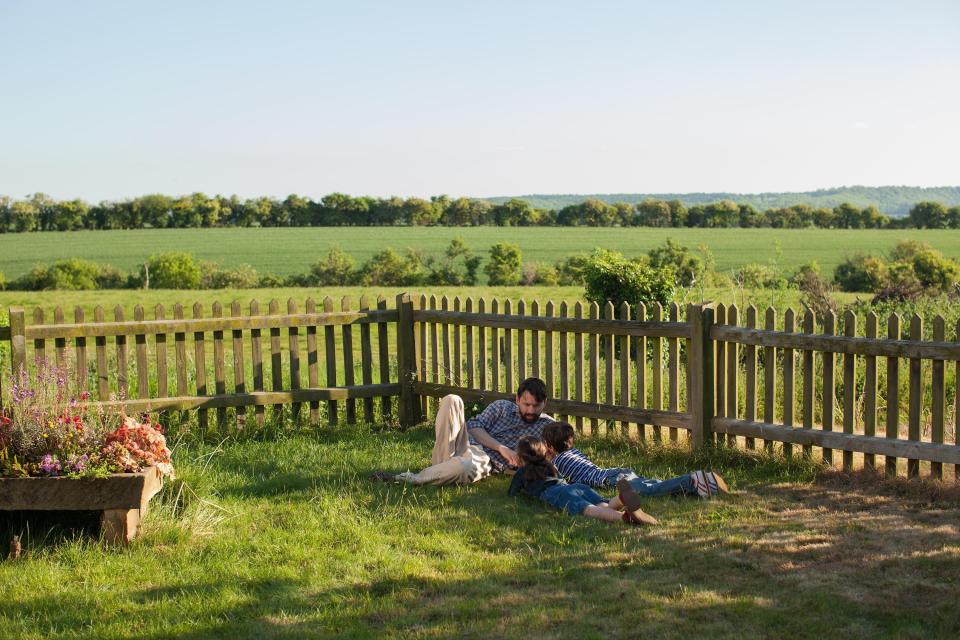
x: 529, y: 418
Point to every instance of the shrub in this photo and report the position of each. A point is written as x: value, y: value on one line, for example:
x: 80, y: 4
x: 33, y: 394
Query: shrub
x: 387, y: 268
x: 71, y: 275
x: 684, y: 263
x: 906, y: 249
x: 815, y: 292
x: 504, y: 265
x: 335, y: 270
x: 172, y: 270
x: 757, y: 276
x: 610, y: 276
x: 934, y: 271
x: 535, y: 273
x: 570, y: 269
x: 861, y: 273
x: 271, y: 280
x: 240, y: 277
x: 457, y: 266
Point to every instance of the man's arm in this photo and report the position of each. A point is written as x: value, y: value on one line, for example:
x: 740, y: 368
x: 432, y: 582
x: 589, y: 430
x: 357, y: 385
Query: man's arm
x: 480, y: 435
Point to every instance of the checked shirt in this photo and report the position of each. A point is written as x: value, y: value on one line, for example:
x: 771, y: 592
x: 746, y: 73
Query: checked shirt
x: 501, y: 419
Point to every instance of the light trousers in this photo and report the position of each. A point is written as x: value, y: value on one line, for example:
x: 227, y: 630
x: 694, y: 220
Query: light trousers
x: 455, y: 460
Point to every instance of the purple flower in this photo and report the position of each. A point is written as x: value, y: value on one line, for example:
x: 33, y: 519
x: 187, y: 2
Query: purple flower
x: 79, y: 464
x: 50, y: 465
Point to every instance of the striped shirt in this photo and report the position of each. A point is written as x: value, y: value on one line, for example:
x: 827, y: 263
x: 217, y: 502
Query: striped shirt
x: 577, y: 467
x: 501, y: 420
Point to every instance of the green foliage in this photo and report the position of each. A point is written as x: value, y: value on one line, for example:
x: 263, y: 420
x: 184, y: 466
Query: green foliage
x: 861, y: 272
x: 504, y: 265
x: 387, y: 268
x: 70, y: 275
x: 171, y: 270
x: 687, y: 266
x: 337, y: 269
x: 570, y: 269
x: 610, y: 276
x: 240, y: 277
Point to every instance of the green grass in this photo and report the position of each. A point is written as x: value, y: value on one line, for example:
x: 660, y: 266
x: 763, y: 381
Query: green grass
x: 286, y: 251
x: 288, y: 539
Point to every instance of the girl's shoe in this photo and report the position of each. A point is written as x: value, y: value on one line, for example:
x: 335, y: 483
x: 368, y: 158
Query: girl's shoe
x: 708, y: 483
x: 628, y: 496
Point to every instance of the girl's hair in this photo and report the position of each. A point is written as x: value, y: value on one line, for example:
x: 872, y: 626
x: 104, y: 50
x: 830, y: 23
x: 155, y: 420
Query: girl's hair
x: 559, y: 435
x: 533, y: 453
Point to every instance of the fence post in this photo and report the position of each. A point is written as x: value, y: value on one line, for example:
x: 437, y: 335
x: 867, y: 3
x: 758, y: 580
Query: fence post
x: 18, y: 340
x: 409, y: 405
x: 700, y: 382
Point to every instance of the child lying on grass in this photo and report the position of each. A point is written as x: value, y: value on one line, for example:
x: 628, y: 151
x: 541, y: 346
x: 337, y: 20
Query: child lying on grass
x: 573, y: 465
x: 539, y: 478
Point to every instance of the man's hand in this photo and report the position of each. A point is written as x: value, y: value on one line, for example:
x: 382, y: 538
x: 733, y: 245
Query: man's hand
x: 509, y: 454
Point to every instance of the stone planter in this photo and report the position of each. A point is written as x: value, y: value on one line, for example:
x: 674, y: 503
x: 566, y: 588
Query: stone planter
x: 121, y: 498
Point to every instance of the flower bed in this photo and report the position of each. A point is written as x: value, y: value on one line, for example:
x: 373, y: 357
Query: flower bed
x: 63, y: 453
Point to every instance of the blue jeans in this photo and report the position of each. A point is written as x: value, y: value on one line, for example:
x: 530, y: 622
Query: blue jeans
x: 651, y: 487
x: 573, y: 498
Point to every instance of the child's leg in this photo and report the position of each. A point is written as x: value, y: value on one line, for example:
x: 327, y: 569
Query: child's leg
x: 603, y: 512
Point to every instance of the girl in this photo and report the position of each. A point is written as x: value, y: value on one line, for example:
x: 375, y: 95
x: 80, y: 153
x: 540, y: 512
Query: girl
x: 539, y: 478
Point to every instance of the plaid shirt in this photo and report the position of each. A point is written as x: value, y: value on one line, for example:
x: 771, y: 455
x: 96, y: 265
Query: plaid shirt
x: 502, y: 421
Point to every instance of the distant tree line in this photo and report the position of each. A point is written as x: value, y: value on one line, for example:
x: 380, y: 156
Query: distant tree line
x: 39, y: 212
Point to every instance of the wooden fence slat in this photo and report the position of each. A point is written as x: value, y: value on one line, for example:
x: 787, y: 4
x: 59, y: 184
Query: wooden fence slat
x: 625, y: 382
x: 720, y: 365
x: 143, y: 368
x: 535, y: 345
x: 657, y: 370
x: 60, y: 344
x: 313, y: 362
x: 494, y: 349
x: 564, y: 363
x: 366, y: 361
x: 239, y: 375
x: 180, y: 352
x: 471, y: 356
x: 293, y: 349
x: 507, y: 351
x: 809, y: 324
x: 103, y: 368
x: 39, y: 344
x: 219, y: 367
x: 593, y: 341
x: 521, y: 345
x: 893, y: 393
x: 200, y: 361
x: 160, y: 351
x: 829, y: 393
x: 849, y: 385
x: 916, y: 395
x: 732, y: 387
x: 421, y: 350
x: 937, y: 400
x: 640, y: 358
x: 789, y: 377
x: 123, y: 387
x: 482, y: 349
x: 457, y: 346
x: 80, y: 349
x: 769, y: 376
x: 383, y: 347
x: 348, y: 369
x: 549, y: 368
x: 870, y: 391
x: 578, y: 364
x: 276, y: 356
x: 256, y: 362
x: 330, y: 353
x: 434, y: 346
x: 609, y: 395
x: 445, y: 337
x: 673, y: 369
x: 750, y: 354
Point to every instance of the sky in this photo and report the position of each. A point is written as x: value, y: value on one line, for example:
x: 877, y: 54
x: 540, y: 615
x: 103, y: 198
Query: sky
x: 108, y: 100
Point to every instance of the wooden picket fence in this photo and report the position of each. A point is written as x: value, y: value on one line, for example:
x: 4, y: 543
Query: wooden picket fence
x: 688, y: 375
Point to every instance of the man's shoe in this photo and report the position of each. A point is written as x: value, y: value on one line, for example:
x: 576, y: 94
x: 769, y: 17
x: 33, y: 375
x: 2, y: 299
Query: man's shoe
x: 383, y: 476
x: 628, y: 496
x: 708, y: 483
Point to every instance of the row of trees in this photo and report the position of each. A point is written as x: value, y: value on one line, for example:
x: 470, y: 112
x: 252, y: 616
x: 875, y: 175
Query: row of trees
x: 42, y: 213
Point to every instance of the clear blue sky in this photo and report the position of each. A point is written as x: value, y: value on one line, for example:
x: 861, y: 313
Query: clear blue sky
x: 105, y: 100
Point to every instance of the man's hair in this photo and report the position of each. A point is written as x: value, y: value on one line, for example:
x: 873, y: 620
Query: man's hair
x: 535, y: 387
x: 559, y: 435
x: 533, y: 454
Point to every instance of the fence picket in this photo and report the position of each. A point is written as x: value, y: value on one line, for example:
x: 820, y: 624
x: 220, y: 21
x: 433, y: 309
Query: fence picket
x: 769, y: 376
x: 123, y: 388
x: 330, y: 353
x: 457, y: 347
x: 180, y: 352
x: 239, y: 375
x: 750, y: 354
x: 445, y: 336
x: 578, y: 363
x: 870, y: 391
x: 521, y: 345
x: 564, y: 362
x: 609, y: 395
x: 256, y: 363
x: 434, y: 346
x: 143, y: 371
x: 916, y: 395
x: 733, y: 373
x: 200, y: 361
x: 673, y: 369
x: 494, y: 349
x: 313, y: 361
x: 789, y: 375
x: 829, y: 383
x: 293, y: 347
x: 593, y: 340
x: 549, y: 368
x: 103, y: 370
x: 535, y: 345
x: 80, y: 347
x: 39, y: 344
x: 507, y: 350
x: 657, y: 370
x: 893, y: 392
x: 348, y: 371
x: 482, y: 348
x: 809, y: 324
x: 720, y: 365
x: 471, y: 368
x: 219, y: 366
x: 849, y: 385
x: 160, y: 352
x: 366, y: 360
x: 937, y: 400
x: 421, y: 350
x: 60, y: 344
x: 276, y: 356
x: 640, y: 358
x: 383, y: 347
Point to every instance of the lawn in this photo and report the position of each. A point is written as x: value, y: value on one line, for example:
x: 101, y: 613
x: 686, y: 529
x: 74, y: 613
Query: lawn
x: 286, y: 251
x: 288, y: 538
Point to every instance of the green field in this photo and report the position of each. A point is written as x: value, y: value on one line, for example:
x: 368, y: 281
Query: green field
x: 286, y: 251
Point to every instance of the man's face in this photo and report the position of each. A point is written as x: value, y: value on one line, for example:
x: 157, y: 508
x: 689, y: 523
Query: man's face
x: 530, y: 408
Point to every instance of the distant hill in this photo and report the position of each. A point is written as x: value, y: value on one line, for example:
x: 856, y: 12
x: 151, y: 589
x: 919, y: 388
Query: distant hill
x: 893, y: 201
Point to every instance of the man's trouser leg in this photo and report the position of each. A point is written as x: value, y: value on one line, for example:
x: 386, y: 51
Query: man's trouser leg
x: 455, y: 461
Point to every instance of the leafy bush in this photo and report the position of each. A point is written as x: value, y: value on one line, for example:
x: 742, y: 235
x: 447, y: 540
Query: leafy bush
x: 387, y: 268
x: 457, y: 266
x: 861, y: 273
x: 240, y: 277
x: 684, y: 263
x: 335, y: 270
x: 504, y: 265
x: 570, y: 269
x: 815, y: 292
x: 171, y: 270
x: 757, y: 276
x: 537, y: 274
x: 934, y: 271
x: 610, y: 276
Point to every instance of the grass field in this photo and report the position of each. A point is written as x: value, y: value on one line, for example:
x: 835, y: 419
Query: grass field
x: 286, y: 251
x: 288, y: 539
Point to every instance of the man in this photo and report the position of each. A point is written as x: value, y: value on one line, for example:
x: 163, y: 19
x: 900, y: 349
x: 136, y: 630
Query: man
x: 466, y: 451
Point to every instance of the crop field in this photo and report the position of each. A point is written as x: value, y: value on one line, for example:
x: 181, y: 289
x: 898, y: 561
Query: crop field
x: 286, y: 251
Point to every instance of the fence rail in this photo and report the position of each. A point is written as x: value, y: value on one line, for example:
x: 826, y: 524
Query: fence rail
x: 693, y: 374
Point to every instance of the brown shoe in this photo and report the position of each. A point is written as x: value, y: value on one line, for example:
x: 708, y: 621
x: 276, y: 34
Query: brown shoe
x: 639, y: 517
x: 628, y: 496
